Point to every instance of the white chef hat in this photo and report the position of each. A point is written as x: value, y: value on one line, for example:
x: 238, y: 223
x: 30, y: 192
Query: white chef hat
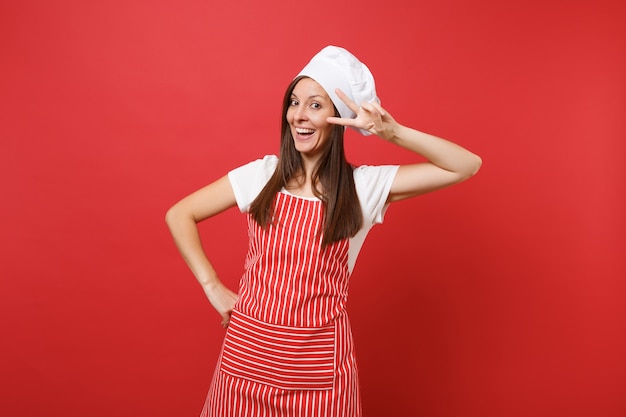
x: 334, y: 67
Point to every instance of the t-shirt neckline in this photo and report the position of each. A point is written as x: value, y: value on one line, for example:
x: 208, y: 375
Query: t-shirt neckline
x: 284, y: 191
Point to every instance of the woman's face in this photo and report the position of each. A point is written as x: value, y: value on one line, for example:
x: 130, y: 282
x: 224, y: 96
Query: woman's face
x: 308, y: 109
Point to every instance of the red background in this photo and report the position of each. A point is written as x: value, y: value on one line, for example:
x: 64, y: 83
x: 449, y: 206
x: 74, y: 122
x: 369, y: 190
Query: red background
x: 503, y: 296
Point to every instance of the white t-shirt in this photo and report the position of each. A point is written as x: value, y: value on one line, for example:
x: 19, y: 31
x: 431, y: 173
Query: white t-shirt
x: 372, y: 185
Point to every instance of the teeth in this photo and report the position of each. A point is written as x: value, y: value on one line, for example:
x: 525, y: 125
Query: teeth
x: 304, y: 131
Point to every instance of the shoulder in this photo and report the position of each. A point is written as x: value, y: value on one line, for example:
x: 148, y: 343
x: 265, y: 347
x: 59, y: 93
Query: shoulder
x: 263, y: 167
x: 372, y: 183
x: 249, y: 179
x: 268, y: 162
x: 367, y: 175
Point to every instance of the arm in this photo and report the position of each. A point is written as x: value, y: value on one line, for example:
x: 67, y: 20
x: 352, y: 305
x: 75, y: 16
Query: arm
x: 447, y: 163
x: 182, y: 219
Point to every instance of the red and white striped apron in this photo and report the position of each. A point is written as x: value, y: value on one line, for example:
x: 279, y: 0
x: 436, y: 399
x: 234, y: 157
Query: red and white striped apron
x: 288, y: 350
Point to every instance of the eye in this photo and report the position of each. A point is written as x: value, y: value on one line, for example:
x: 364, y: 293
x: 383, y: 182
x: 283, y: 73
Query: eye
x: 316, y: 105
x: 293, y: 102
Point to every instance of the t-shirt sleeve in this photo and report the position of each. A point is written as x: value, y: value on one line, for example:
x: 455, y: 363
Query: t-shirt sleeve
x: 248, y: 180
x: 372, y: 185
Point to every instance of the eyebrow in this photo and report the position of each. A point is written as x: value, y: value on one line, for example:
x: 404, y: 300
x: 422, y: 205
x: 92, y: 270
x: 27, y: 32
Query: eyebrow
x: 310, y: 97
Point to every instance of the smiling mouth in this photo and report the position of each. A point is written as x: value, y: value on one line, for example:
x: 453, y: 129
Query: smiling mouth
x: 304, y: 132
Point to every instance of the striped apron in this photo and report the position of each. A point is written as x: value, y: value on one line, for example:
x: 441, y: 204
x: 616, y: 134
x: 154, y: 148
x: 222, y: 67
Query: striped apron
x: 288, y: 350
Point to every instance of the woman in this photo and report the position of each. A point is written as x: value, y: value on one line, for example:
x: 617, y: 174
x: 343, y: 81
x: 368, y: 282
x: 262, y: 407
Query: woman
x: 288, y: 347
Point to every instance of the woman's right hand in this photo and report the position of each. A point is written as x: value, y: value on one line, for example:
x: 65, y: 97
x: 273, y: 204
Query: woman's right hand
x: 222, y: 299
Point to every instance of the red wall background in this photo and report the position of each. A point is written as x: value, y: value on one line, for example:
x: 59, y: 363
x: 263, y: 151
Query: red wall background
x: 503, y: 296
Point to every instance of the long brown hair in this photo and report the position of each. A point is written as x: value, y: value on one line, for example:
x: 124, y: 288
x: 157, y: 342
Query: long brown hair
x: 342, y: 212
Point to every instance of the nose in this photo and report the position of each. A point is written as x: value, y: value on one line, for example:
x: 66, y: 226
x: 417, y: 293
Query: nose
x: 300, y: 113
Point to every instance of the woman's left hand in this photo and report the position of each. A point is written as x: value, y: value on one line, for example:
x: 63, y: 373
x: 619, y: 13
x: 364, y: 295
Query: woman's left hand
x: 370, y: 117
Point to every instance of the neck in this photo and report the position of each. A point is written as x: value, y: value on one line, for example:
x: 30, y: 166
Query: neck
x: 308, y: 165
x: 301, y: 183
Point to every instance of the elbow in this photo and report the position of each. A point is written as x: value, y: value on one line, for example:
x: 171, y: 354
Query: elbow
x: 472, y: 167
x: 168, y: 216
x: 178, y: 215
x: 172, y: 215
x: 476, y: 164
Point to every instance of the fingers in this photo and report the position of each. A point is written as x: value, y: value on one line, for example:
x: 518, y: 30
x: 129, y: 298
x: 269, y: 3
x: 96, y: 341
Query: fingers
x: 351, y: 104
x: 226, y: 319
x: 374, y: 108
x: 342, y: 121
x: 370, y: 116
x: 223, y: 300
x: 371, y: 107
x: 367, y: 116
